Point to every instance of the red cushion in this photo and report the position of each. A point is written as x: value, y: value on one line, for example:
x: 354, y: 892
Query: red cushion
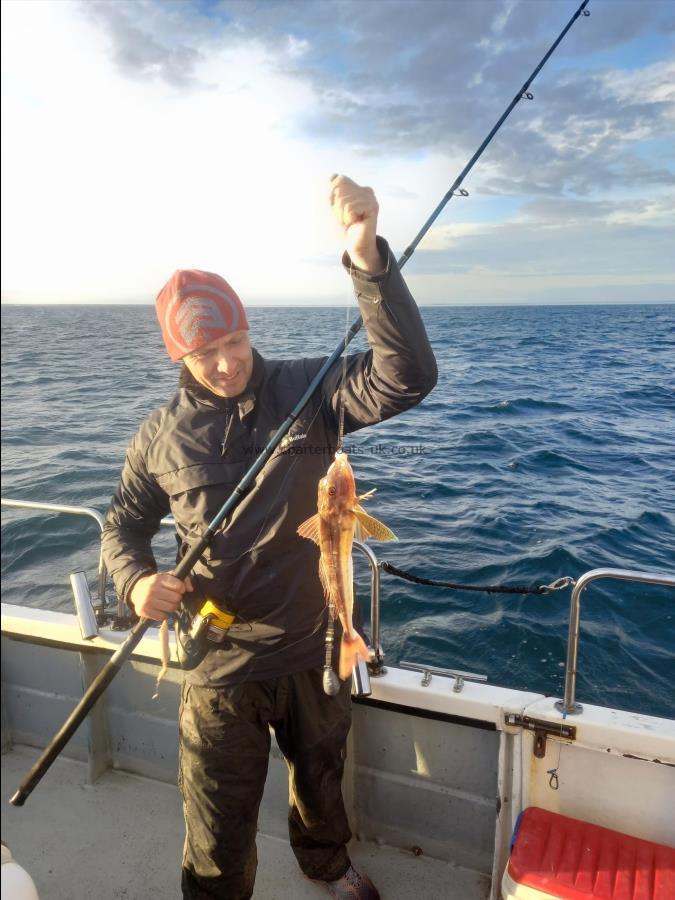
x: 572, y: 859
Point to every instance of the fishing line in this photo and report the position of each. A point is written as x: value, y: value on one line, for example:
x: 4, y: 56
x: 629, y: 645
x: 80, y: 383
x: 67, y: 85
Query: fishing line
x: 331, y: 684
x: 317, y: 627
x: 290, y: 468
x: 165, y: 654
x: 341, y: 417
x: 113, y: 665
x: 341, y: 422
x: 319, y: 624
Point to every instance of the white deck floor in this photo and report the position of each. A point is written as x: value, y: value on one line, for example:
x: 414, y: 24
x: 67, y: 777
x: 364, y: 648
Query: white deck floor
x: 121, y: 839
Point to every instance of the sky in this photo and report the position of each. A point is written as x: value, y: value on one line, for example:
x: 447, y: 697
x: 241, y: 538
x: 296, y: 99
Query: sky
x: 143, y: 136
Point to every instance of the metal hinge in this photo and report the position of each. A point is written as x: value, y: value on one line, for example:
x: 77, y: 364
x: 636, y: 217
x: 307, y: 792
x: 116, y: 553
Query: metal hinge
x: 542, y: 730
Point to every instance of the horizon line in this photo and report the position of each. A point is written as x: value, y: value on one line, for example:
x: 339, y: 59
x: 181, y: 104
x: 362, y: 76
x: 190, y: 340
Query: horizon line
x: 335, y: 305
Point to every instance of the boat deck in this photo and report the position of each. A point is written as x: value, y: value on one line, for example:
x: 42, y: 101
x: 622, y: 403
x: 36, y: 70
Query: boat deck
x: 121, y: 839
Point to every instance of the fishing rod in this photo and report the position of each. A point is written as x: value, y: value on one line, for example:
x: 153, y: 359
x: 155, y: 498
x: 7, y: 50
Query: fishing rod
x: 184, y: 567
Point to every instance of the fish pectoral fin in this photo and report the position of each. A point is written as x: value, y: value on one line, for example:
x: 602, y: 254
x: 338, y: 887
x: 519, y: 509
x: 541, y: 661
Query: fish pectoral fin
x: 371, y: 527
x: 366, y: 496
x: 351, y: 648
x: 310, y: 529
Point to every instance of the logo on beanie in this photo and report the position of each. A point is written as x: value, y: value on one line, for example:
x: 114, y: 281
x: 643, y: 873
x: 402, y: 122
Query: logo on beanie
x: 194, y: 320
x: 197, y: 317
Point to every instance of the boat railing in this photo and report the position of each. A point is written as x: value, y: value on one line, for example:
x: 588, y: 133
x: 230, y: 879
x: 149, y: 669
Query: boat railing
x: 375, y: 666
x: 376, y: 663
x: 71, y: 511
x: 568, y: 705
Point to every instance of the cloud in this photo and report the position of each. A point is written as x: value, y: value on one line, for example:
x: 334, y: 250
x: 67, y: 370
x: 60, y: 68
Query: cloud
x: 563, y: 211
x: 406, y: 76
x: 155, y: 133
x: 578, y: 262
x: 138, y: 41
x: 525, y: 248
x: 554, y: 250
x: 648, y: 85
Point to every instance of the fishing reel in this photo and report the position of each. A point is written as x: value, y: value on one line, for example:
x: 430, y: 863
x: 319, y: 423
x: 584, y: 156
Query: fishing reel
x: 198, y: 632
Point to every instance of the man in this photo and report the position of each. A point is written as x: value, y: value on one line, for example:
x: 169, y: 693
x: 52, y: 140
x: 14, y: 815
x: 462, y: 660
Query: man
x: 185, y: 459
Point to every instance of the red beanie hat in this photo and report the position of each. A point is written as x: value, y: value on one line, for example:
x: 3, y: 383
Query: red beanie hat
x: 194, y: 308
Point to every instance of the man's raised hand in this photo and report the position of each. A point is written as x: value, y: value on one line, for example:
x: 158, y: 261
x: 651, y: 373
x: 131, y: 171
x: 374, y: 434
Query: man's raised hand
x: 356, y: 208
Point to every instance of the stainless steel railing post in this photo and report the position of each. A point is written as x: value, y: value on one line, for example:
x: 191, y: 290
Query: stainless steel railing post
x: 568, y: 706
x: 376, y: 665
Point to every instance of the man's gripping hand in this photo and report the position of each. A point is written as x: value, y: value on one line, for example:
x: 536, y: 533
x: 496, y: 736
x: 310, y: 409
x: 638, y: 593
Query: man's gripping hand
x: 157, y: 596
x: 356, y: 210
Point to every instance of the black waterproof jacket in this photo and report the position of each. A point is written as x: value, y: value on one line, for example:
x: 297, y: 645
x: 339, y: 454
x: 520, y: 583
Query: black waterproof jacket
x: 187, y: 457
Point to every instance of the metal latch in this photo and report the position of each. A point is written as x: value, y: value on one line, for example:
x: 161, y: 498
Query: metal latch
x: 542, y: 730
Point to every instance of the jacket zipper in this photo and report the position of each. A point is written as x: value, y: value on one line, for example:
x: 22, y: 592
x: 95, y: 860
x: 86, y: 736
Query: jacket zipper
x: 229, y: 419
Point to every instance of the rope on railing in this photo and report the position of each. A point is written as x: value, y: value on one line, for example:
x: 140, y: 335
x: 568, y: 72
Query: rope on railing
x: 556, y: 585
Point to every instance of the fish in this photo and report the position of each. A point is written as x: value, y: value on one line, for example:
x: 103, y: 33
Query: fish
x: 341, y: 518
x: 164, y: 653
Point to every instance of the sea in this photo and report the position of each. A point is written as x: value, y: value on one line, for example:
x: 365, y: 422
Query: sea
x: 546, y: 450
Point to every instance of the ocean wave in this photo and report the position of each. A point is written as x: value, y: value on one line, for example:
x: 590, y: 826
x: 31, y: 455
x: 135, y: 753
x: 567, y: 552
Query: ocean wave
x: 547, y: 461
x: 487, y: 442
x: 519, y: 406
x: 650, y: 396
x: 536, y: 464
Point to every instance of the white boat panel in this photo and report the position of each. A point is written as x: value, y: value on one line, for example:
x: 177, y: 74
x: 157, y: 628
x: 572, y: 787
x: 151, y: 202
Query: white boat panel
x: 425, y: 783
x: 483, y: 702
x: 615, y: 731
x: 63, y: 629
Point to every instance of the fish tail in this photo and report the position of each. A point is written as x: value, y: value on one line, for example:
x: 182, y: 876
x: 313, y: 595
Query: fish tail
x: 351, y: 648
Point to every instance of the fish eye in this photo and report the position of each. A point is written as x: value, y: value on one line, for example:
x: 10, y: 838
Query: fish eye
x: 331, y: 491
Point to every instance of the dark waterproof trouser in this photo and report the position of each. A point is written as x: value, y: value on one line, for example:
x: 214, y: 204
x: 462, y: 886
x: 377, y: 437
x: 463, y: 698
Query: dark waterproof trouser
x: 224, y: 750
